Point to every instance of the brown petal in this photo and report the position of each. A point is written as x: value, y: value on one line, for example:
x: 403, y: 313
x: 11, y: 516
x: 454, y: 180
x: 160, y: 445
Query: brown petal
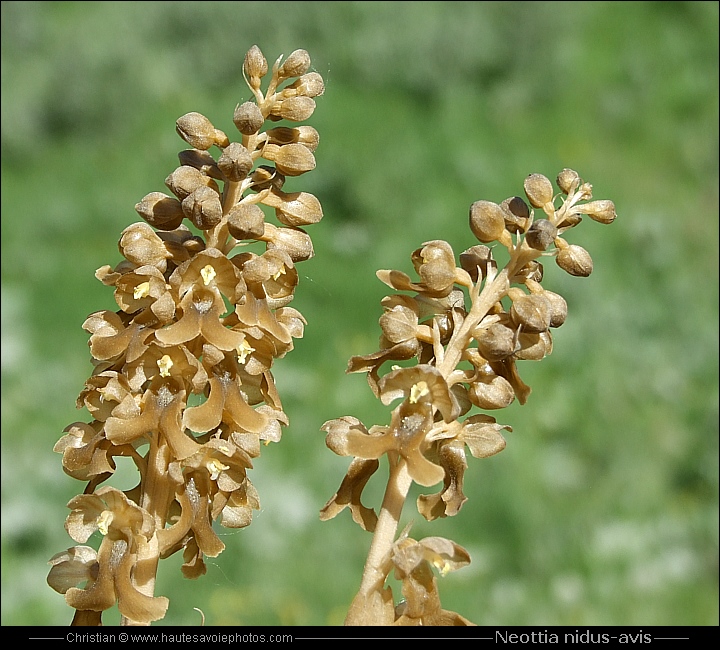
x: 121, y: 430
x: 374, y: 608
x: 350, y: 492
x: 160, y: 210
x: 72, y: 567
x: 98, y: 595
x: 244, y: 416
x: 491, y: 392
x: 508, y: 369
x: 181, y: 444
x: 397, y: 280
x: 422, y: 471
x: 450, y: 499
x: 482, y: 436
x: 237, y: 513
x: 444, y: 554
x: 208, y: 415
x: 400, y: 383
x: 173, y: 535
x: 203, y: 208
x: 293, y: 321
x: 399, y: 324
x: 338, y: 430
x: 132, y: 603
x: 208, y: 542
x: 255, y: 312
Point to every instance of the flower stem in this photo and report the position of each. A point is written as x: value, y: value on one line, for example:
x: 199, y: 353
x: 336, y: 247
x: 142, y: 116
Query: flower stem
x: 396, y: 492
x: 494, y: 290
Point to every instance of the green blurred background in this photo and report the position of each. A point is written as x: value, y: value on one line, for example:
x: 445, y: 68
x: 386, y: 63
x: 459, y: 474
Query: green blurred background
x: 603, y: 509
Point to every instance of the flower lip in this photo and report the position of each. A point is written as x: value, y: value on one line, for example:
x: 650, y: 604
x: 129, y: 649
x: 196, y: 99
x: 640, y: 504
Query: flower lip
x: 420, y: 383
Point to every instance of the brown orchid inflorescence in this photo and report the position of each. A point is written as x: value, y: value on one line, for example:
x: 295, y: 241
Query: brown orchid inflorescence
x: 466, y: 326
x: 182, y: 383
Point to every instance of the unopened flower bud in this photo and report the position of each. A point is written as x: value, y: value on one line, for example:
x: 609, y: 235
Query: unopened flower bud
x: 575, y: 260
x: 496, y: 342
x: 541, y: 234
x: 533, y: 346
x: 160, y: 210
x: 182, y: 244
x: 493, y: 392
x: 293, y: 241
x: 570, y: 221
x: 202, y: 161
x: 196, y: 130
x: 140, y: 244
x: 295, y: 65
x: 600, y: 211
x: 235, y: 162
x: 296, y: 209
x: 265, y: 177
x: 532, y: 311
x: 517, y: 214
x: 221, y: 140
x: 185, y: 180
x: 246, y: 221
x: 255, y: 66
x: 399, y: 324
x: 308, y: 137
x: 435, y: 264
x: 304, y: 135
x: 290, y: 159
x: 539, y: 190
x: 248, y: 118
x: 309, y: 85
x: 203, y: 208
x: 295, y: 109
x: 568, y: 180
x: 487, y: 221
x: 477, y: 257
x: 533, y: 271
x: 558, y: 308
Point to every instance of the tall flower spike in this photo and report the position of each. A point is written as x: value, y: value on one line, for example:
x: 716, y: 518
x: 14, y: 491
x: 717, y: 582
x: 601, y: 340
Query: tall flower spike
x: 467, y: 352
x: 174, y: 337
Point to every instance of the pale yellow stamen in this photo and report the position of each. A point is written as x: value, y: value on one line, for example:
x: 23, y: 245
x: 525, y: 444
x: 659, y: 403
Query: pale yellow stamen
x: 417, y: 391
x: 244, y: 350
x: 442, y: 566
x: 215, y: 467
x: 279, y: 273
x: 141, y: 291
x: 208, y: 274
x: 165, y: 363
x: 104, y: 521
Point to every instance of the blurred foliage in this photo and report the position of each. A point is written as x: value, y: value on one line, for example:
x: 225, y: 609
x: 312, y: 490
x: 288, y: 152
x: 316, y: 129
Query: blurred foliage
x: 603, y: 508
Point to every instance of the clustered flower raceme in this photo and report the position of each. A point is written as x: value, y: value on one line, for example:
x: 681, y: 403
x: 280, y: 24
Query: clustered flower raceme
x: 466, y: 357
x: 200, y: 315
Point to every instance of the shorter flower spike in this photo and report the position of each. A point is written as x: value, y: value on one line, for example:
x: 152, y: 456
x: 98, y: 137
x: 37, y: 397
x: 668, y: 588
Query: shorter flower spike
x: 466, y: 327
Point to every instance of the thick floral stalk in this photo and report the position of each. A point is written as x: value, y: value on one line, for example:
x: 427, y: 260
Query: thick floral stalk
x: 466, y: 351
x: 203, y: 314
